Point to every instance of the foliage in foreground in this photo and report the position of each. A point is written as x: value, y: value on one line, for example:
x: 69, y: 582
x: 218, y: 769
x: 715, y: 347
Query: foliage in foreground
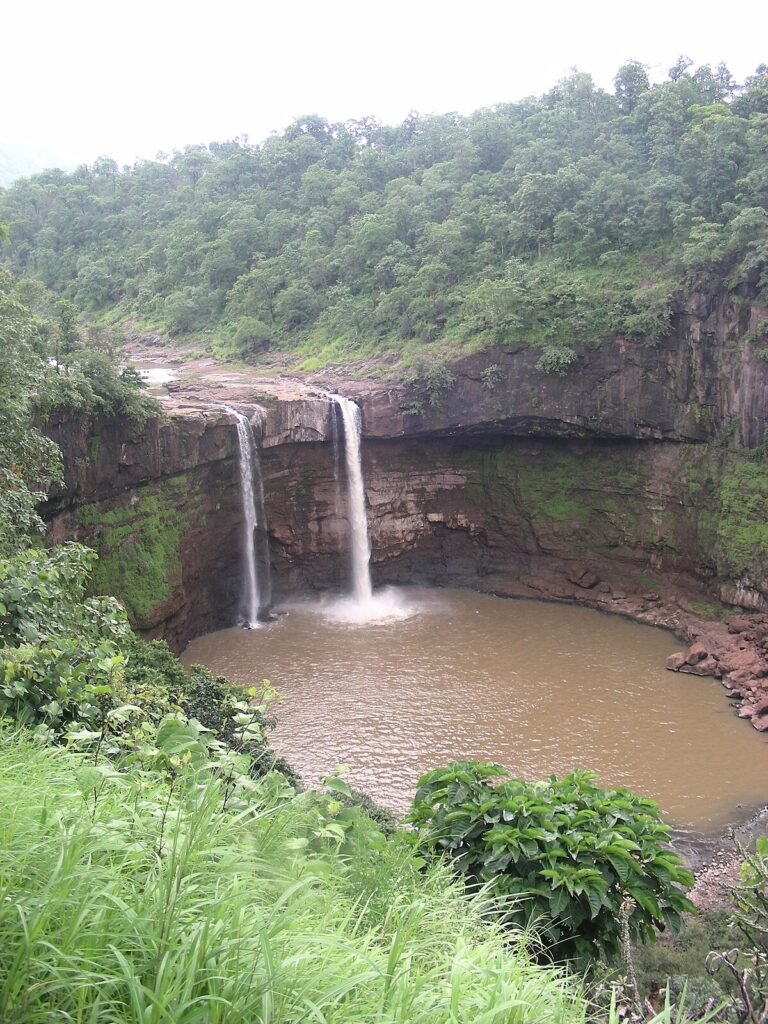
x: 72, y: 671
x: 149, y: 900
x: 585, y: 867
x: 746, y: 962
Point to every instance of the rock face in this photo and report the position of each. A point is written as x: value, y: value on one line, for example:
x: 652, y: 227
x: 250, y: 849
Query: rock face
x: 161, y: 505
x: 703, y: 381
x: 623, y: 484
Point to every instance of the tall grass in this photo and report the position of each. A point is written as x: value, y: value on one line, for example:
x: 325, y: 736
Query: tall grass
x: 118, y: 904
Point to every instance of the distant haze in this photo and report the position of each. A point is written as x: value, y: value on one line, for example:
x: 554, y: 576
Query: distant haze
x: 86, y: 79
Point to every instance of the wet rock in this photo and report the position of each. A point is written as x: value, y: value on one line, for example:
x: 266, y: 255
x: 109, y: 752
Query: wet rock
x: 756, y: 704
x: 760, y: 708
x: 708, y: 666
x: 675, y: 661
x: 696, y: 652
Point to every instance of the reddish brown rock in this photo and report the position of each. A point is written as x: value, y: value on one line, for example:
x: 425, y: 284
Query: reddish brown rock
x: 675, y: 661
x: 696, y: 652
x: 760, y: 708
x: 708, y: 666
x: 738, y: 625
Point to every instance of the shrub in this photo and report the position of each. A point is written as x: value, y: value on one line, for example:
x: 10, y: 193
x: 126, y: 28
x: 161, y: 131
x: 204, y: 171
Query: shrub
x: 555, y: 359
x: 747, y: 961
x: 585, y: 867
x: 431, y: 379
x: 491, y: 376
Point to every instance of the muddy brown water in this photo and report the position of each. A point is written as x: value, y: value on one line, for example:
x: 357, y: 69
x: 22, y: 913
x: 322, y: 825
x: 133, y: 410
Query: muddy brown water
x: 540, y: 688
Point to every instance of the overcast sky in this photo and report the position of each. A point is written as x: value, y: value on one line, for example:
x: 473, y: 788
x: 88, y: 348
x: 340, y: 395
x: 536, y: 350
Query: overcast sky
x: 128, y: 79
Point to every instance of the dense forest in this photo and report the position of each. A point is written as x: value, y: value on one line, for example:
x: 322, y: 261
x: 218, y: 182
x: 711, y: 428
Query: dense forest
x: 556, y: 220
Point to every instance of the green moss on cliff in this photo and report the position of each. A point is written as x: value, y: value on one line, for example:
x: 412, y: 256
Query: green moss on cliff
x: 139, y: 548
x: 726, y: 497
x: 565, y: 494
x: 742, y: 533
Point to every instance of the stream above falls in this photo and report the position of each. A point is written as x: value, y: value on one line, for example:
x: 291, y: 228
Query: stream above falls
x: 541, y: 688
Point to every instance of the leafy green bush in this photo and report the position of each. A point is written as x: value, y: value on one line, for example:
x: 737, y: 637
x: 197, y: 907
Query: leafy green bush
x: 431, y: 379
x: 61, y: 651
x: 579, y: 864
x: 94, y: 383
x: 29, y: 462
x: 491, y: 376
x: 555, y: 359
x: 71, y: 669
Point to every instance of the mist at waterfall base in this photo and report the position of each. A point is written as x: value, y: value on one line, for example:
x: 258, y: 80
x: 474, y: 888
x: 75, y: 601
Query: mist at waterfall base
x: 363, y: 605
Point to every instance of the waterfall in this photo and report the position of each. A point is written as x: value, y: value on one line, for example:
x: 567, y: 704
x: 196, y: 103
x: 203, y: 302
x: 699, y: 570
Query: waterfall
x: 358, y: 524
x: 256, y: 594
x: 335, y: 439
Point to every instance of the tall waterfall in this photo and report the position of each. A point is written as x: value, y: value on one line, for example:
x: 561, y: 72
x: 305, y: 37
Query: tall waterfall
x: 256, y: 594
x: 360, y: 548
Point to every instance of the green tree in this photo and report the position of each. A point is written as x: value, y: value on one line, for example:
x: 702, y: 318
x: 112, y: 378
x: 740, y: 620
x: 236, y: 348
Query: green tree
x: 584, y: 867
x: 29, y: 462
x: 67, y: 334
x: 630, y: 83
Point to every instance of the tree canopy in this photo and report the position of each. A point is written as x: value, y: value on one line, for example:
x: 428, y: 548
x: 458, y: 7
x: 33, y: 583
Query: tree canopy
x: 559, y: 219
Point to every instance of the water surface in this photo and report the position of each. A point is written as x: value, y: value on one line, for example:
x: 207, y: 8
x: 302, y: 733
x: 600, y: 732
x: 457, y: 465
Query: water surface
x: 541, y: 688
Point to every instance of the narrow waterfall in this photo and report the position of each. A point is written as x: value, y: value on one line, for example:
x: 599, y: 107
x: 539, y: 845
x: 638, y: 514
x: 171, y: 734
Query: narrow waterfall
x: 360, y: 548
x: 256, y: 593
x: 336, y: 443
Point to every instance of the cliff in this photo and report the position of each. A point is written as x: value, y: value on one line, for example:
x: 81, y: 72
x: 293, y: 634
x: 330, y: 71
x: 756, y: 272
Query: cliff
x: 635, y: 482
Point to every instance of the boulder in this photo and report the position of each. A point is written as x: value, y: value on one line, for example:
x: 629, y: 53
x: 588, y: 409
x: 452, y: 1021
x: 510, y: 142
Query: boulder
x: 759, y: 709
x: 708, y: 666
x: 583, y: 577
x: 675, y: 661
x: 696, y: 652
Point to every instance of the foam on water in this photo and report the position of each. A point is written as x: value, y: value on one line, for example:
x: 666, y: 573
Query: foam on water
x: 386, y: 605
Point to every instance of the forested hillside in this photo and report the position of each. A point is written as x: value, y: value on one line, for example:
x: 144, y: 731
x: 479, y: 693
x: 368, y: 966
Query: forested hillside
x: 557, y: 220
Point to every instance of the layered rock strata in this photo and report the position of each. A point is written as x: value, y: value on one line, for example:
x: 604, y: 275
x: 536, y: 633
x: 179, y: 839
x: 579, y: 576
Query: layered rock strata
x: 634, y: 483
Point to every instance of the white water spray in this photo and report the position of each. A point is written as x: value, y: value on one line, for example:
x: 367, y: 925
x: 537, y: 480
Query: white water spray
x: 360, y: 548
x: 256, y: 597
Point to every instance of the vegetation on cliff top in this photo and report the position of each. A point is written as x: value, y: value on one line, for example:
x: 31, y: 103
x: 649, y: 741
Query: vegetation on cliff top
x: 557, y: 220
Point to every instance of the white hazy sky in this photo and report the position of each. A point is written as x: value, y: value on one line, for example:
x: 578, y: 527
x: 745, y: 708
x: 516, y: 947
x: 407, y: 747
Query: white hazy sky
x: 84, y: 78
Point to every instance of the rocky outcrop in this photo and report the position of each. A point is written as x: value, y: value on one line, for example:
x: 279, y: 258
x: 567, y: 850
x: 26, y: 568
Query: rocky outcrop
x: 737, y: 654
x: 705, y: 380
x: 160, y: 503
